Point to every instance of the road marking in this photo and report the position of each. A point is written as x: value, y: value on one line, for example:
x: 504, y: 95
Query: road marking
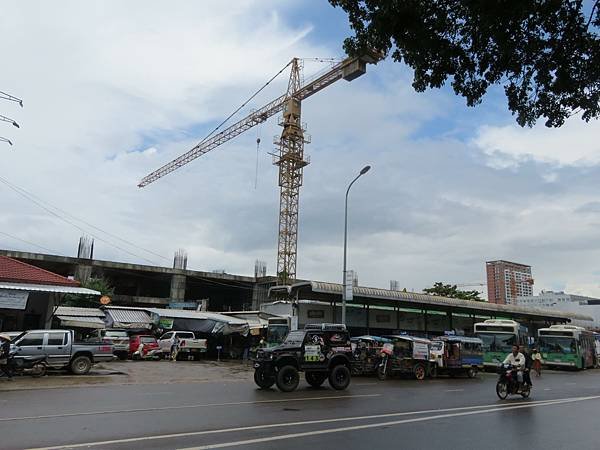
x: 374, y: 425
x: 547, y: 389
x: 203, y: 405
x: 454, y: 390
x: 496, y: 406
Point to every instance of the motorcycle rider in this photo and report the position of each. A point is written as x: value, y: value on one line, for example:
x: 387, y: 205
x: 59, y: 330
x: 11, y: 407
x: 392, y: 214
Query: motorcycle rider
x: 517, y: 360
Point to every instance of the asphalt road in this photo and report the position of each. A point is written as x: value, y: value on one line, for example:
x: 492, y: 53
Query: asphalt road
x: 563, y: 412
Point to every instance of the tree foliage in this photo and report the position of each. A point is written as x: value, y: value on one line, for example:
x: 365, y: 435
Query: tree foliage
x: 451, y: 291
x: 544, y: 53
x: 101, y: 285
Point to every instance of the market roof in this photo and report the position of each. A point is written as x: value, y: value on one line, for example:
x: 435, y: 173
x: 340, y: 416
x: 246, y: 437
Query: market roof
x: 47, y: 288
x: 319, y: 290
x: 78, y: 311
x: 14, y: 271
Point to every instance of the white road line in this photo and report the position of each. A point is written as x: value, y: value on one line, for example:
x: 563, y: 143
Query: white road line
x: 301, y: 423
x: 547, y: 389
x: 374, y: 425
x: 203, y: 405
x: 454, y: 390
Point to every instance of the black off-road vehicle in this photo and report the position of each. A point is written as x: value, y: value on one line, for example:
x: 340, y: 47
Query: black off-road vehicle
x: 320, y: 350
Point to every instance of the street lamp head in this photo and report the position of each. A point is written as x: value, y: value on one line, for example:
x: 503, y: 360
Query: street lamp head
x: 15, y: 124
x: 365, y: 170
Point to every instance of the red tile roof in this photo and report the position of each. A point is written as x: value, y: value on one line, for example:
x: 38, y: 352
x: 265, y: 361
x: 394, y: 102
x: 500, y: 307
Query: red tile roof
x: 14, y: 271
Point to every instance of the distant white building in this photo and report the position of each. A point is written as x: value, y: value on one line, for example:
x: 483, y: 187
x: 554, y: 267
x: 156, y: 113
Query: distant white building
x: 580, y: 304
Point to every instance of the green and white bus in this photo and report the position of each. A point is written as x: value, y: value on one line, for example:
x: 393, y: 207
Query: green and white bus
x: 567, y: 346
x: 498, y: 336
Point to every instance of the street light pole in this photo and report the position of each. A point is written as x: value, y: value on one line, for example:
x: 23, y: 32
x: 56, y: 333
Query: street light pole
x: 362, y: 172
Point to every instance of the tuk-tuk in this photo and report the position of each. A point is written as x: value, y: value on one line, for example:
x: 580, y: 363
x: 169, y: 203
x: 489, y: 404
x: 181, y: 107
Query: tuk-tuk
x: 457, y: 355
x: 366, y: 352
x: 406, y: 355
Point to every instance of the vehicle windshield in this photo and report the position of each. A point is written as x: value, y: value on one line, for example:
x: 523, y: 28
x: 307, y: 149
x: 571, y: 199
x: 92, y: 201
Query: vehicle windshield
x: 120, y: 334
x: 295, y: 338
x: 557, y: 344
x: 497, y: 342
x: 277, y: 333
x: 148, y: 340
x: 188, y: 335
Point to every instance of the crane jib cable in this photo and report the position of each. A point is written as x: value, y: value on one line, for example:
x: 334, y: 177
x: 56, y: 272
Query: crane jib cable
x: 245, y: 103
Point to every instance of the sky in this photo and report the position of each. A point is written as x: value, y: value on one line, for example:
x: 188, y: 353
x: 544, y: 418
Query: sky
x: 113, y: 90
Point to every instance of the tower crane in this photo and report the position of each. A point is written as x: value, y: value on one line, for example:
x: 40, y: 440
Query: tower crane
x: 290, y: 149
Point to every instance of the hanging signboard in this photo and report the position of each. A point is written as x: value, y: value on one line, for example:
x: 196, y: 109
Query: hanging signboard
x: 12, y: 299
x: 349, y: 282
x: 165, y: 323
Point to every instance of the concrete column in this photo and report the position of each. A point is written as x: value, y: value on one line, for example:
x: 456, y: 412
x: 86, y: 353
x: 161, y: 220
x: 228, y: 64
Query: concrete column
x: 83, y: 272
x: 178, y: 287
x: 450, y: 325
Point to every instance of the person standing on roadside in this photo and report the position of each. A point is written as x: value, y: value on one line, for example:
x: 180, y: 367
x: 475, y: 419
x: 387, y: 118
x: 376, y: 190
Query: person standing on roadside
x: 174, y: 347
x: 537, y: 362
x: 4, y: 354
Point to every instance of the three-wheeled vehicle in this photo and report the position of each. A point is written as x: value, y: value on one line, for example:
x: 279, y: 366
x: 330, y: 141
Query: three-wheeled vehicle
x: 457, y: 355
x: 366, y: 354
x: 405, y: 355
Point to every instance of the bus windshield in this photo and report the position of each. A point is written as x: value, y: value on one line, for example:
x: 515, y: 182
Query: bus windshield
x: 497, y: 342
x: 557, y: 344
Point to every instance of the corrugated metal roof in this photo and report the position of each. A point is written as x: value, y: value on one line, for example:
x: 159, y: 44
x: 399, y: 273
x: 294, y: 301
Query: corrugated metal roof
x: 81, y: 321
x: 424, y: 299
x: 129, y: 315
x: 77, y: 311
x: 48, y: 288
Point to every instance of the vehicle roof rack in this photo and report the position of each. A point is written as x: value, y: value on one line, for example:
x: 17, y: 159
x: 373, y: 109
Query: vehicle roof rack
x: 325, y: 326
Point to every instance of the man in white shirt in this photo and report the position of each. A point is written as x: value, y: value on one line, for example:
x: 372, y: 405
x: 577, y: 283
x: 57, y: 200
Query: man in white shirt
x: 516, y: 359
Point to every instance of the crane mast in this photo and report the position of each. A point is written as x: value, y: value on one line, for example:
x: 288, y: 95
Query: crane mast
x: 290, y: 150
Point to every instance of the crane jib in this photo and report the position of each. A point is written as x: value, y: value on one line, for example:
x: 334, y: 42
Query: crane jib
x: 349, y: 69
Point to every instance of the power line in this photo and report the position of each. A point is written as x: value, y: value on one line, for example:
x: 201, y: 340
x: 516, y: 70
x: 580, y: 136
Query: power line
x: 27, y: 242
x: 29, y: 197
x: 85, y: 222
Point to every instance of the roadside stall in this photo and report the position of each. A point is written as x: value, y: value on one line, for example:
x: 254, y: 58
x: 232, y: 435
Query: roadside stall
x: 83, y: 321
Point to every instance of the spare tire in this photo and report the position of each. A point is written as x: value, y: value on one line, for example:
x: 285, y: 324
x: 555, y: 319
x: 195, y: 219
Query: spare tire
x: 315, y: 379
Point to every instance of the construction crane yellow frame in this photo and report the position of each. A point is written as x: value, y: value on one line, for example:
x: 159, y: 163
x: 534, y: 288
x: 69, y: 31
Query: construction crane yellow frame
x: 290, y: 149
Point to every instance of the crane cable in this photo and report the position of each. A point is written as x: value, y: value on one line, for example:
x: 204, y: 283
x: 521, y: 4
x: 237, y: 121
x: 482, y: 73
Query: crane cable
x: 245, y: 103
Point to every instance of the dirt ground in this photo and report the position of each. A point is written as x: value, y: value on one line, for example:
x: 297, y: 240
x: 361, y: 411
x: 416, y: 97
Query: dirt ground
x: 137, y: 372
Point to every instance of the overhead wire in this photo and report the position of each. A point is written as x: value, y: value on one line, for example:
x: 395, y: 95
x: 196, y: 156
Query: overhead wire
x: 31, y: 198
x: 245, y: 103
x: 27, y: 242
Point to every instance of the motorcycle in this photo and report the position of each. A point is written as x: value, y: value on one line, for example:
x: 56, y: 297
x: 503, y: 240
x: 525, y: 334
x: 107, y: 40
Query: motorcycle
x: 36, y: 366
x: 508, y: 384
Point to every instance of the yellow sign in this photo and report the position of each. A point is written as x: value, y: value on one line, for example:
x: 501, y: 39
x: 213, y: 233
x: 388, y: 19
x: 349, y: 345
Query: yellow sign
x: 105, y: 300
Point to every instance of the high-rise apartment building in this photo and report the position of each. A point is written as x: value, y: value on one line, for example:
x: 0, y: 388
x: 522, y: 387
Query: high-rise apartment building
x: 508, y: 280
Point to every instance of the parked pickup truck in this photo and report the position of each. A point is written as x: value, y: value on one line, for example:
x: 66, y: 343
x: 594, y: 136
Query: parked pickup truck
x: 61, y: 350
x: 188, y: 344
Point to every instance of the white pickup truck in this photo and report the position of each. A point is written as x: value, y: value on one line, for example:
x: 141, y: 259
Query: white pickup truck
x: 188, y: 344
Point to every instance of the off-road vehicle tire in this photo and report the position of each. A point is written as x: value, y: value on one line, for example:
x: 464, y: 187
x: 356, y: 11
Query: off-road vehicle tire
x: 263, y: 380
x: 315, y: 379
x: 339, y: 378
x: 80, y: 365
x: 287, y: 379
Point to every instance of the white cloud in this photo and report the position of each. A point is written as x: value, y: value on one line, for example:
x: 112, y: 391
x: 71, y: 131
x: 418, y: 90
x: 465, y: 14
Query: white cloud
x: 113, y: 90
x: 575, y: 143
